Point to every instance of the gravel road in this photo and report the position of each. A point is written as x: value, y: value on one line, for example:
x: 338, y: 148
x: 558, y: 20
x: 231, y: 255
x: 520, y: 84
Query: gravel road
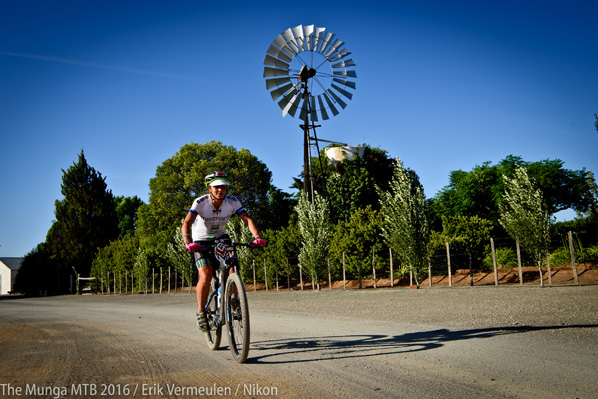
x: 491, y: 342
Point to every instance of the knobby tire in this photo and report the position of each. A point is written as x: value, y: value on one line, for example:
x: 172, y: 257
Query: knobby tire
x: 215, y: 334
x: 237, y: 313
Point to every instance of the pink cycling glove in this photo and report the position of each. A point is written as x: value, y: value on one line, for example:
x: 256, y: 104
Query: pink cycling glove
x: 259, y: 242
x: 192, y: 247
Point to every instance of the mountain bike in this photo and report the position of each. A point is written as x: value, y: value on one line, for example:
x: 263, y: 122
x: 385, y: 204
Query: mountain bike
x: 231, y: 307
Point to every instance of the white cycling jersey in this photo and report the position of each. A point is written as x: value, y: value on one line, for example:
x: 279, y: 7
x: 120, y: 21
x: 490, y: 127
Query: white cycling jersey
x: 210, y: 223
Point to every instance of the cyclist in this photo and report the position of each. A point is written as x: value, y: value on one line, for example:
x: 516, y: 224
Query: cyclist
x: 206, y: 222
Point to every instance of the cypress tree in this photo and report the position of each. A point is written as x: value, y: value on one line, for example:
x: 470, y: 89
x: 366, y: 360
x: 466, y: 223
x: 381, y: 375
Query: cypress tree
x: 86, y: 218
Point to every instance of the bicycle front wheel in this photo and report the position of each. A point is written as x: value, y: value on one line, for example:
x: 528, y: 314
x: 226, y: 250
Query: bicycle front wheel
x: 237, y: 318
x: 213, y: 336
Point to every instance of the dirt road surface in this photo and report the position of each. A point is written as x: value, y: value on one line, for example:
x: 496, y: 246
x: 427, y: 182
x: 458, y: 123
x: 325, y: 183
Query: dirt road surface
x: 481, y: 342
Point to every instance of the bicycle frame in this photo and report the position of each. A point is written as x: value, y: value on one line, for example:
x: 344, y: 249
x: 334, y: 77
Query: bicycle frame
x: 226, y: 254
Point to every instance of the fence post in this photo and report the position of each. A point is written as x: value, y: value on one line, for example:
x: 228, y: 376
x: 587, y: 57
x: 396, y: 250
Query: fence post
x: 429, y: 271
x: 169, y: 279
x: 254, y: 281
x: 374, y: 267
x: 392, y: 275
x: 519, y: 262
x: 573, y: 264
x: 344, y: 274
x: 288, y: 276
x: 494, y: 261
x: 301, y: 276
x: 265, y: 275
x: 191, y: 277
x: 548, y: 267
x: 448, y: 261
x: 360, y: 267
x: 329, y: 275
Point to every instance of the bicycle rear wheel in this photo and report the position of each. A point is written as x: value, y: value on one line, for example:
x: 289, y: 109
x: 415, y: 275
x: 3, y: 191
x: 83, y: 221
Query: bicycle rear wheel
x: 237, y: 317
x: 215, y: 334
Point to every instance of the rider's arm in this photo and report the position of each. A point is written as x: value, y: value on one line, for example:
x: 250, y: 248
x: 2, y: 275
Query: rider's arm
x: 250, y: 224
x: 186, y: 229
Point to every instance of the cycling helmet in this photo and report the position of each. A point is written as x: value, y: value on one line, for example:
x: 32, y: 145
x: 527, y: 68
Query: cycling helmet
x: 217, y: 178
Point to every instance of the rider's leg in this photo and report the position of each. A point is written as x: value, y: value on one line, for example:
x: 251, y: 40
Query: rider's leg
x: 203, y: 286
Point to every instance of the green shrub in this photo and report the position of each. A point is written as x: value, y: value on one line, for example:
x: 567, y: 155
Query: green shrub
x: 505, y: 258
x: 560, y: 257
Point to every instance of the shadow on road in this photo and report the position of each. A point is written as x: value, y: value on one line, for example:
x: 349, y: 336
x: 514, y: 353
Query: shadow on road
x: 309, y: 349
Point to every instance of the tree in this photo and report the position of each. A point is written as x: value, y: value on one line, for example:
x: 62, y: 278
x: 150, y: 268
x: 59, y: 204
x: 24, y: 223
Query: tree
x: 351, y: 184
x: 524, y: 215
x: 480, y: 192
x: 180, y: 180
x: 357, y: 238
x: 281, y: 245
x: 468, y: 234
x: 278, y: 211
x: 117, y: 257
x: 126, y: 212
x: 405, y: 229
x: 38, y: 272
x: 315, y: 230
x: 85, y: 218
x: 178, y: 256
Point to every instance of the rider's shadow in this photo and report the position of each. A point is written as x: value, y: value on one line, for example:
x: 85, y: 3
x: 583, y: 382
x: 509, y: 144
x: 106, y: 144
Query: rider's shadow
x: 309, y: 349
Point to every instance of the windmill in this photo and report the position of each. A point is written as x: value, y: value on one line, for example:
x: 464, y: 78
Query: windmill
x: 306, y: 68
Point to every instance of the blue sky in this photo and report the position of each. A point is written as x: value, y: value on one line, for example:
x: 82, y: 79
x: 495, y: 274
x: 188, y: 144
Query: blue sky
x: 441, y: 85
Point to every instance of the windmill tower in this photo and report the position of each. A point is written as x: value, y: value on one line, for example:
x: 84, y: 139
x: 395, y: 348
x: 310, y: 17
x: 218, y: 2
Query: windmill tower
x: 308, y: 69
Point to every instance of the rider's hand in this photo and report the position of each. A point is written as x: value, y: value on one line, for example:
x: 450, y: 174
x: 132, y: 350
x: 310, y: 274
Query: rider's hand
x: 192, y: 247
x: 259, y: 242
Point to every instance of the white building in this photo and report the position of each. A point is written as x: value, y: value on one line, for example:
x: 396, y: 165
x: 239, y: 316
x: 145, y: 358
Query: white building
x: 8, y: 272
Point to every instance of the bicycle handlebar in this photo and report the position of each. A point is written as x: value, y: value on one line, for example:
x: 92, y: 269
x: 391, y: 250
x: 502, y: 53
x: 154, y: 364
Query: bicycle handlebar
x: 233, y: 244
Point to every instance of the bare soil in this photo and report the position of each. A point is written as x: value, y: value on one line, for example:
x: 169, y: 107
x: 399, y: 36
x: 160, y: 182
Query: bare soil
x: 559, y: 275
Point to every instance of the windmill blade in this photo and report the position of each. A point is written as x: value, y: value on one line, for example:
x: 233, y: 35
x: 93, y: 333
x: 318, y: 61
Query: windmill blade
x: 337, y: 43
x: 288, y: 100
x: 345, y: 82
x: 342, y: 91
x: 270, y: 72
x: 275, y: 62
x: 280, y: 69
x: 351, y: 74
x: 318, y: 35
x: 304, y: 109
x: 322, y: 108
x: 344, y: 64
x: 313, y: 113
x: 292, y: 109
x: 337, y: 99
x: 280, y: 91
x: 282, y: 44
x: 298, y: 34
x: 278, y: 53
x: 272, y: 83
x: 290, y: 39
x: 330, y: 104
x: 309, y: 38
x: 341, y: 54
x: 326, y: 42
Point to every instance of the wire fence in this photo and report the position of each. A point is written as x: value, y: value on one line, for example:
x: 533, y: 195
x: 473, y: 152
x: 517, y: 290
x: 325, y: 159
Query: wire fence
x: 503, y: 262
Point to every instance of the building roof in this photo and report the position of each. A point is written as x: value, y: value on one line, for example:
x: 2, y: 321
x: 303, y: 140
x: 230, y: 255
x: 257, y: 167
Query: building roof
x: 12, y: 263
